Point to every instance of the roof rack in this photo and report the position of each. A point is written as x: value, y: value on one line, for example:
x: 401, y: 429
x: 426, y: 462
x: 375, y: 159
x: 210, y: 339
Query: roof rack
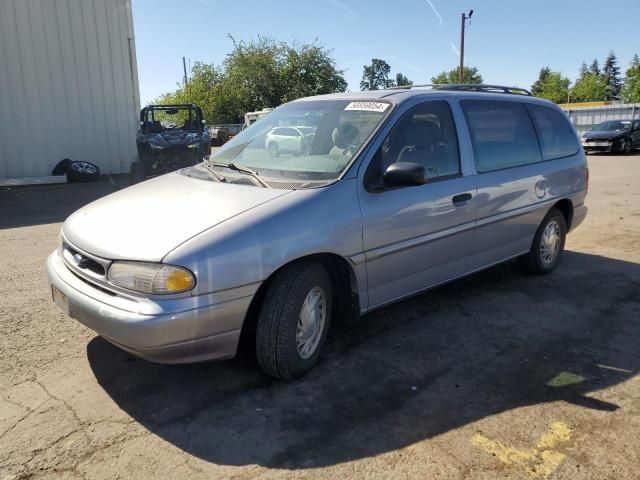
x: 468, y: 87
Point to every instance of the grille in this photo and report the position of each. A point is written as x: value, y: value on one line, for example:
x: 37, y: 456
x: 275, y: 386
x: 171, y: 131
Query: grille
x: 84, y: 265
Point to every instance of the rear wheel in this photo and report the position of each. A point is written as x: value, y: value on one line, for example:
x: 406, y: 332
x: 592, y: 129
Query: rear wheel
x: 294, y: 320
x: 548, y: 245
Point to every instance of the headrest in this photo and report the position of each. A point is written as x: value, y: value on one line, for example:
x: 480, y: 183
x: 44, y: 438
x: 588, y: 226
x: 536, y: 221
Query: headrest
x: 343, y: 135
x: 422, y: 133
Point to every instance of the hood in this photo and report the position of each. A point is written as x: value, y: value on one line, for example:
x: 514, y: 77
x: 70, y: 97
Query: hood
x: 602, y: 135
x: 176, y: 137
x: 146, y: 221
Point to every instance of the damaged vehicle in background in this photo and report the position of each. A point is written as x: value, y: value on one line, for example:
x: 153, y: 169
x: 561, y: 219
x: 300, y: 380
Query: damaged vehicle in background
x: 170, y: 137
x: 619, y: 136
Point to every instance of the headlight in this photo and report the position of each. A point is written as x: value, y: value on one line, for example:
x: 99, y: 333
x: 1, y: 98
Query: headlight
x: 155, y: 146
x: 193, y: 146
x: 154, y: 278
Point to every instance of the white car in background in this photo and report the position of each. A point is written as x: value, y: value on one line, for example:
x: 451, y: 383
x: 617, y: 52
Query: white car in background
x: 293, y: 140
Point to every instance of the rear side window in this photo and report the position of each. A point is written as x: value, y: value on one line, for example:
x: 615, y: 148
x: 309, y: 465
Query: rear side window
x: 554, y: 131
x: 501, y: 133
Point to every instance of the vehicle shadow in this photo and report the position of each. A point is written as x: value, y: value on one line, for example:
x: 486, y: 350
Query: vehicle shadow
x: 37, y: 205
x: 483, y: 345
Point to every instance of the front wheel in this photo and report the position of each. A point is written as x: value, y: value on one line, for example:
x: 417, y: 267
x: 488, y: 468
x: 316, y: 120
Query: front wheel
x: 626, y: 146
x: 548, y: 245
x: 294, y: 320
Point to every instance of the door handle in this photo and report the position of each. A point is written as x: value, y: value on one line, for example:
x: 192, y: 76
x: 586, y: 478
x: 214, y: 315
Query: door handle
x: 461, y: 198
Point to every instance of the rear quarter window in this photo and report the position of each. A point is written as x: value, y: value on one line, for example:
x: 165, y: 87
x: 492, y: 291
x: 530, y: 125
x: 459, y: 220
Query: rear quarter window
x: 556, y: 136
x: 502, y: 134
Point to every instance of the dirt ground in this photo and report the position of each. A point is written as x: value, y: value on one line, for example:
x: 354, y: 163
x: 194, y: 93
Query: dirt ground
x: 499, y: 375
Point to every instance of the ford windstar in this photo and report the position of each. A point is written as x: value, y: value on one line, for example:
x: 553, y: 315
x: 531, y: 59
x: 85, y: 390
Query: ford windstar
x: 330, y: 206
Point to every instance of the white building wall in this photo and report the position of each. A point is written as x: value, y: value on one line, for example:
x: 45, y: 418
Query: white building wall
x: 68, y: 85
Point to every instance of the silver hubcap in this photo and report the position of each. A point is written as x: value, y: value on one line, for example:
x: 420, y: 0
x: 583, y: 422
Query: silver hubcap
x: 550, y: 242
x: 311, y: 322
x: 83, y: 167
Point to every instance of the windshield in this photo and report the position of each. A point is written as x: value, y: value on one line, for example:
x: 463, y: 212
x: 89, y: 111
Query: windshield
x: 613, y: 126
x: 162, y: 119
x: 305, y: 140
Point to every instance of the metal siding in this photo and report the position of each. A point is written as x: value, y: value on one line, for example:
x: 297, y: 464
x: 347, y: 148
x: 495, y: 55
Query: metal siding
x: 68, y: 85
x: 584, y: 117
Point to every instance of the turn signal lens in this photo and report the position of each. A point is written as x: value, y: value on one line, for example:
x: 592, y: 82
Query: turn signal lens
x: 154, y: 278
x: 174, y: 280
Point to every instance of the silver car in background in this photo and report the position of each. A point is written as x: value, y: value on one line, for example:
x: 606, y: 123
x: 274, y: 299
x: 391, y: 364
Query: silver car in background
x: 399, y: 191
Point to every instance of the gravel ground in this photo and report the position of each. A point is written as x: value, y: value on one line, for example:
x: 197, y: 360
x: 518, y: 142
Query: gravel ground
x: 499, y: 375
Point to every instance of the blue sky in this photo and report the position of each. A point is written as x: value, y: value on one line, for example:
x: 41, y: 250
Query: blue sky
x: 508, y: 41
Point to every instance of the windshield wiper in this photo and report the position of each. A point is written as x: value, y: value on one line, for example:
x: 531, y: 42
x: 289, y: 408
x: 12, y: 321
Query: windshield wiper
x: 215, y: 175
x: 245, y: 170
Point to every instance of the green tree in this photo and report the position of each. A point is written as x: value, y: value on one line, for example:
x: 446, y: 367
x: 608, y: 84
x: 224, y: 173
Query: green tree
x: 402, y: 81
x: 590, y: 88
x: 611, y: 75
x: 471, y: 75
x: 310, y: 70
x: 630, y: 91
x: 376, y: 75
x: 200, y: 89
x: 258, y: 74
x: 583, y: 69
x: 553, y: 86
x: 595, y: 67
x: 544, y: 73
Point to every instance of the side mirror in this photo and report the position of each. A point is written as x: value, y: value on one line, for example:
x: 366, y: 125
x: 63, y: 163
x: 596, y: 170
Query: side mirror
x: 405, y: 174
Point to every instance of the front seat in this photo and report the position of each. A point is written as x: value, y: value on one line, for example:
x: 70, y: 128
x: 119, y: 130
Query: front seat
x: 421, y: 146
x: 343, y: 137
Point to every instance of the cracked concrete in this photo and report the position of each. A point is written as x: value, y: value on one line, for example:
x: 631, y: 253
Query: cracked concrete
x: 400, y: 393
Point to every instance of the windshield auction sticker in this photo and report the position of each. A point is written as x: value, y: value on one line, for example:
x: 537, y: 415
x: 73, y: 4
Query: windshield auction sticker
x: 368, y: 106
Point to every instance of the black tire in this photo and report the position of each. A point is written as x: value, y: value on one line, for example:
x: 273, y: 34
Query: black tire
x: 276, y: 336
x: 82, y: 172
x: 61, y: 167
x: 136, y: 173
x: 274, y: 151
x: 626, y: 147
x: 534, y: 261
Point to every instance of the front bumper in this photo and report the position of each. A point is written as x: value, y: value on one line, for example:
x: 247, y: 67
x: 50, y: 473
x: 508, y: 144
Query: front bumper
x: 606, y: 146
x: 186, y: 330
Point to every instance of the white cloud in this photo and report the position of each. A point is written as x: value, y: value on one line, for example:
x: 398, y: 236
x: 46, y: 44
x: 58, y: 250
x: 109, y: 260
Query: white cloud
x: 440, y: 21
x: 410, y: 66
x: 344, y: 7
x: 454, y: 49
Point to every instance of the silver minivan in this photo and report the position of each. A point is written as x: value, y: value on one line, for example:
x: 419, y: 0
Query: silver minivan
x: 391, y: 193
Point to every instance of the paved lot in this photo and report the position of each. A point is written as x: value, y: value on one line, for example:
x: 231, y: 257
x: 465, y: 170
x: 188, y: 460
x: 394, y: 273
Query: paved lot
x: 500, y: 375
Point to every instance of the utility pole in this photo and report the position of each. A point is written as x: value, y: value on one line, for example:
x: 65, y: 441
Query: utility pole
x: 184, y: 69
x: 464, y: 19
